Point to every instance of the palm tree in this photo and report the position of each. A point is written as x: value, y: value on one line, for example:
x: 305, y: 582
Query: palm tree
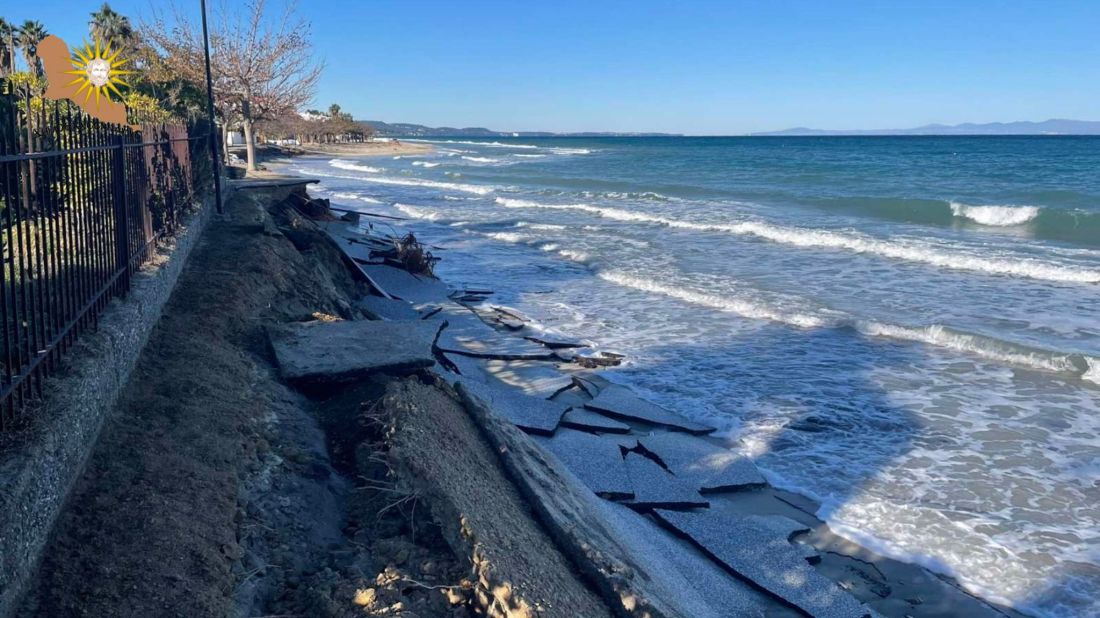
x: 7, y: 47
x: 31, y: 34
x: 109, y: 26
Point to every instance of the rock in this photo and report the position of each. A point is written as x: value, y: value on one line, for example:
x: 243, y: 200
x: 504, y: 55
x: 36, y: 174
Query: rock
x: 580, y: 418
x: 334, y: 351
x: 654, y: 487
x: 534, y: 415
x: 709, y: 467
x: 620, y: 402
x: 749, y: 547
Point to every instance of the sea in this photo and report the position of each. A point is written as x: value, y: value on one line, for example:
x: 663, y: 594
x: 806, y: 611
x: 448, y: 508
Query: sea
x: 904, y: 329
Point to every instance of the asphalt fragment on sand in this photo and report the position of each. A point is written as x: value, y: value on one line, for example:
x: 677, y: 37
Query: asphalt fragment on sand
x: 621, y: 402
x: 757, y: 551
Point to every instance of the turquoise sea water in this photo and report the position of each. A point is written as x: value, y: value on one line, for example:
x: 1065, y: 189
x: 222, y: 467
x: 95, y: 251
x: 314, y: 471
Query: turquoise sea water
x: 906, y: 329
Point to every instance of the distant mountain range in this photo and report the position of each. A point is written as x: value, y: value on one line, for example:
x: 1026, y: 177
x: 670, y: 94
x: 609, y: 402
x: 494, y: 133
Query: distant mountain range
x: 403, y: 129
x: 1046, y: 127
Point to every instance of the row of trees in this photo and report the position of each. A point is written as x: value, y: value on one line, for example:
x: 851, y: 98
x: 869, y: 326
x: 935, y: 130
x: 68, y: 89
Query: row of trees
x: 317, y: 127
x: 261, y: 58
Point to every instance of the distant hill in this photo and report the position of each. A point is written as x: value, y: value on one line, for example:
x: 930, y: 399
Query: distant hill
x: 1046, y: 127
x: 403, y: 129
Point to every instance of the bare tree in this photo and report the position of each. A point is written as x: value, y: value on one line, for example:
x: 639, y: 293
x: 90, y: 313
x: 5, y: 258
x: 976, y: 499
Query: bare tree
x: 262, y: 64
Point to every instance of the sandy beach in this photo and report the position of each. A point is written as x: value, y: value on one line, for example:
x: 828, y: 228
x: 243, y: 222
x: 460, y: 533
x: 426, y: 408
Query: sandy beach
x: 364, y: 149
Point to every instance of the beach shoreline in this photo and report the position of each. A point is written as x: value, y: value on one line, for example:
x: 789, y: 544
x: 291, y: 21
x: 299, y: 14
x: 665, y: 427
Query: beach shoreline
x: 360, y: 149
x: 890, y: 586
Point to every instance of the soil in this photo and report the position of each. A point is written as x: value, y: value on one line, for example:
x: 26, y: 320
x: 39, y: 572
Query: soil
x: 214, y: 490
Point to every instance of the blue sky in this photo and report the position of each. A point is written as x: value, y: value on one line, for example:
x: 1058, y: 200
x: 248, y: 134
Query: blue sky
x: 704, y: 67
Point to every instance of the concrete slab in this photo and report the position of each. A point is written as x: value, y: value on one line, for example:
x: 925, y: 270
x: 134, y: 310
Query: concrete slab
x: 387, y: 309
x: 654, y: 487
x: 621, y: 402
x: 751, y: 549
x: 595, y: 460
x: 534, y: 415
x: 335, y: 351
x: 580, y: 418
x: 709, y: 467
x: 405, y: 285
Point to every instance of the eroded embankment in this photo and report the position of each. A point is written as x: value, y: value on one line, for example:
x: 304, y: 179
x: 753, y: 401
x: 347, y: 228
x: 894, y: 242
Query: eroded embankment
x: 216, y: 490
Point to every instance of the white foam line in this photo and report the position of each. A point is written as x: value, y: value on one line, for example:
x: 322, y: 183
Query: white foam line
x: 942, y: 337
x: 823, y: 239
x: 345, y: 165
x: 743, y: 308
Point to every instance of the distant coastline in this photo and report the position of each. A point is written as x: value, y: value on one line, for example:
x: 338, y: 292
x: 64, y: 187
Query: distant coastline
x: 1046, y: 127
x: 1052, y: 127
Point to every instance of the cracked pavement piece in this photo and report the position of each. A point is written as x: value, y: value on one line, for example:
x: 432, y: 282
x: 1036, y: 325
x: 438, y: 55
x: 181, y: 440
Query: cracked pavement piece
x: 534, y: 415
x: 752, y: 549
x: 405, y: 285
x: 655, y: 487
x: 334, y: 351
x: 596, y: 460
x: 620, y: 401
x: 708, y: 466
x: 580, y: 418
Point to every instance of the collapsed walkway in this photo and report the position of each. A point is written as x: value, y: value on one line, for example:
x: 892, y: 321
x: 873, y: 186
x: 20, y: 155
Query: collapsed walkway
x: 217, y: 490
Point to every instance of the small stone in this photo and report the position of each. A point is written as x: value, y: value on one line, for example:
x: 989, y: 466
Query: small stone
x: 364, y: 597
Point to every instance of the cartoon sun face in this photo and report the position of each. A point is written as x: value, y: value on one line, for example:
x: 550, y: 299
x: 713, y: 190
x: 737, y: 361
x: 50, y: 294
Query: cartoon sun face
x: 98, y: 71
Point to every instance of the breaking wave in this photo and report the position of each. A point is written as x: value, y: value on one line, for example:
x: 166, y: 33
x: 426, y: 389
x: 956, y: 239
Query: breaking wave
x: 431, y: 184
x: 741, y: 307
x: 343, y: 195
x: 416, y: 212
x: 480, y: 159
x: 425, y: 164
x: 988, y: 348
x: 347, y: 165
x: 857, y: 243
x: 996, y: 216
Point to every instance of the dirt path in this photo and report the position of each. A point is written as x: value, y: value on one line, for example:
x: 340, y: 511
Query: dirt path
x: 216, y: 490
x: 152, y: 527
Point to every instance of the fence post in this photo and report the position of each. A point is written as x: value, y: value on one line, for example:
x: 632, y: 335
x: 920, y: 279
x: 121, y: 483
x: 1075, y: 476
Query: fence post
x: 122, y: 213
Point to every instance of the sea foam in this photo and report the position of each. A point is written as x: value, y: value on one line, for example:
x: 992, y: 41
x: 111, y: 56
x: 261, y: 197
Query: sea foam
x: 854, y: 242
x: 742, y: 307
x: 347, y: 165
x: 995, y: 216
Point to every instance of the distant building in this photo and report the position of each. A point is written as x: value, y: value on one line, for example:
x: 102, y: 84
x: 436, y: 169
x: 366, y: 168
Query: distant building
x: 234, y: 138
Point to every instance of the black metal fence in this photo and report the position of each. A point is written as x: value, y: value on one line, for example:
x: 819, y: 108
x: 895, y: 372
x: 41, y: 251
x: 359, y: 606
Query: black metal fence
x: 81, y: 204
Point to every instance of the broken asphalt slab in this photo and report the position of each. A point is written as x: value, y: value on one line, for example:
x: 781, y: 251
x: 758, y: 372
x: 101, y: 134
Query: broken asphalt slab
x: 758, y: 551
x: 534, y: 415
x: 580, y: 418
x: 404, y: 285
x: 336, y: 351
x: 596, y: 460
x: 380, y: 308
x: 621, y: 402
x: 472, y: 337
x: 709, y: 467
x: 655, y: 487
